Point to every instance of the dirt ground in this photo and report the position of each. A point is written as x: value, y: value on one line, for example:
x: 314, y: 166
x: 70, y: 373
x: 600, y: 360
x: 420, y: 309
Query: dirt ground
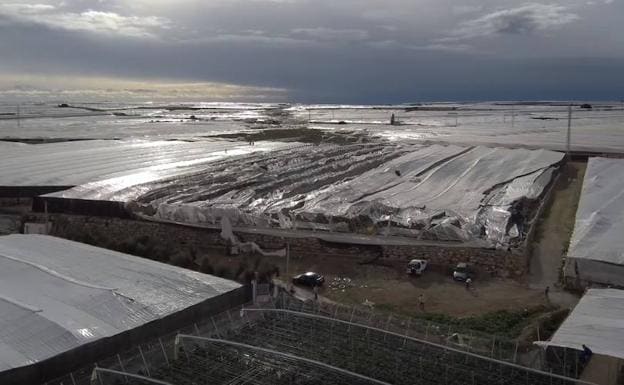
x: 554, y: 231
x: 391, y: 289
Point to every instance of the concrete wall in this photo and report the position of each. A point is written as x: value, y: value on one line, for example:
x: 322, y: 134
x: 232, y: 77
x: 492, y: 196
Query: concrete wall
x: 9, y: 202
x: 489, y: 261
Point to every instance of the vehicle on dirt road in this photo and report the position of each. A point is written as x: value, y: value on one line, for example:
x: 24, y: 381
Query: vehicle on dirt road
x: 416, y: 267
x: 462, y: 272
x: 309, y: 279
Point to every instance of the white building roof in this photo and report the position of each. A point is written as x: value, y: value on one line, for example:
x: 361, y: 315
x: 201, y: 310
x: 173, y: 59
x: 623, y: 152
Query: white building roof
x: 56, y: 295
x: 597, y: 321
x: 599, y: 228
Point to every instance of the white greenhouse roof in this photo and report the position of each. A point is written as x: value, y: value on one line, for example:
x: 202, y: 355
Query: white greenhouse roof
x: 128, y: 162
x: 56, y: 295
x: 600, y: 216
x: 597, y: 321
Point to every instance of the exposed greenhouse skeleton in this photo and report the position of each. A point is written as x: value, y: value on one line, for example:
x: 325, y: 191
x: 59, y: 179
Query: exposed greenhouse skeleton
x: 442, y: 193
x: 278, y: 346
x: 257, y: 350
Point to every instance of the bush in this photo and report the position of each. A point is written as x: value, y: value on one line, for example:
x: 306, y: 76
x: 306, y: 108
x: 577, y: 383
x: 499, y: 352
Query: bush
x: 222, y: 271
x: 181, y: 260
x: 206, y: 266
x: 240, y: 270
x: 504, y: 323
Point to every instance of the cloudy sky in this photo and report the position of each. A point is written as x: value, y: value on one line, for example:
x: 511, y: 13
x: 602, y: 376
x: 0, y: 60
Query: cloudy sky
x: 351, y: 51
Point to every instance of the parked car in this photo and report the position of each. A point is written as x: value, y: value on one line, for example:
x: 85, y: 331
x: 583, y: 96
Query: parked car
x: 309, y: 279
x: 462, y: 272
x: 416, y: 267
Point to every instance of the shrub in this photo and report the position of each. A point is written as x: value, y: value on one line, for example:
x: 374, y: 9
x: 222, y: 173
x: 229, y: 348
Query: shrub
x: 206, y: 266
x: 180, y: 260
x: 222, y: 271
x: 502, y: 323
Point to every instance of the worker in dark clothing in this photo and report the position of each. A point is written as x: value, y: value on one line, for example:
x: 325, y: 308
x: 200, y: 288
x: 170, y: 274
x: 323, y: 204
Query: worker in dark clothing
x: 585, y: 355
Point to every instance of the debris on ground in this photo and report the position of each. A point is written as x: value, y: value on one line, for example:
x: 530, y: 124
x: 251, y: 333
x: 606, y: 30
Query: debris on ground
x: 341, y: 283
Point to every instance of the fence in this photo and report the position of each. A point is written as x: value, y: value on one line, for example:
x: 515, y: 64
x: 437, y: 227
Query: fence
x: 317, y: 340
x: 147, y: 359
x: 564, y: 362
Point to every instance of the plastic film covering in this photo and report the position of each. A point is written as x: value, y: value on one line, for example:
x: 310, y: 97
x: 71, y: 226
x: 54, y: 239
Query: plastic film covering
x: 597, y: 321
x: 507, y: 124
x: 436, y: 192
x: 116, y: 164
x: 56, y: 295
x: 596, y: 252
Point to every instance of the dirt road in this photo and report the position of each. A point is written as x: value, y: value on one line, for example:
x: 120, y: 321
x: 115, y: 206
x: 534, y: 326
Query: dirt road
x: 391, y: 289
x: 553, y: 235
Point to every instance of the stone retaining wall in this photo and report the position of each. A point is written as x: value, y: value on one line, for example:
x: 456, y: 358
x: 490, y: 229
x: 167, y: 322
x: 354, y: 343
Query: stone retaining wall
x: 12, y: 202
x: 493, y: 262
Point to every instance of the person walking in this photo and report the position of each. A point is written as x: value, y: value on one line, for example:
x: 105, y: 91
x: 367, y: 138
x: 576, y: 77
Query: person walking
x: 315, y: 289
x: 546, y: 291
x: 421, y: 301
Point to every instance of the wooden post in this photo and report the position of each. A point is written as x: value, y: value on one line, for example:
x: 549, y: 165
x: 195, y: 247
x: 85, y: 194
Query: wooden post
x: 164, y: 352
x: 569, y: 130
x: 144, y: 362
x: 287, y: 259
x: 513, y: 116
x: 47, y: 218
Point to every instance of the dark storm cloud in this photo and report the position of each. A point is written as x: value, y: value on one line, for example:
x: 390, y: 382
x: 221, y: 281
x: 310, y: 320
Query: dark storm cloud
x: 353, y: 51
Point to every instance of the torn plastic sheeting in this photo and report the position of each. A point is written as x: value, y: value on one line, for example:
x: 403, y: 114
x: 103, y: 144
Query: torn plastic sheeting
x: 444, y: 187
x: 496, y: 214
x: 250, y: 247
x: 408, y: 190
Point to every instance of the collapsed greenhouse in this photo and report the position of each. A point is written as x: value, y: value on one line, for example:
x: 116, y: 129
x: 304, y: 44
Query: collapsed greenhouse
x: 440, y: 193
x: 484, y: 196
